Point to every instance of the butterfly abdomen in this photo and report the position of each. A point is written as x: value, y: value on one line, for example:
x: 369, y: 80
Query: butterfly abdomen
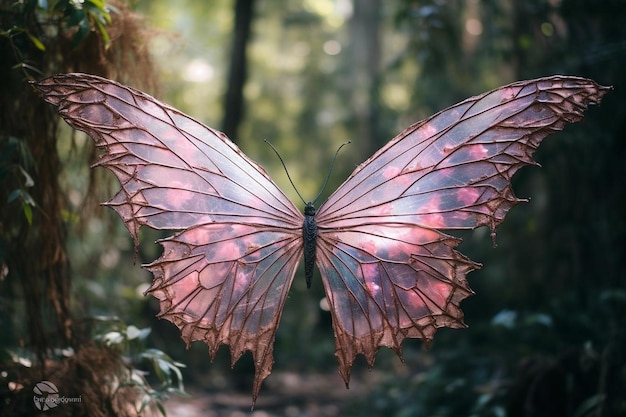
x: 309, y: 235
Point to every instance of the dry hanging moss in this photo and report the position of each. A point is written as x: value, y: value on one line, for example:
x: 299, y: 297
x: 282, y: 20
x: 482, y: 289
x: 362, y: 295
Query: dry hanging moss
x: 35, y: 277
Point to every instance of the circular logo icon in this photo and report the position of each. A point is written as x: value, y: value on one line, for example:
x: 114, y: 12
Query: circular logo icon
x: 46, y: 395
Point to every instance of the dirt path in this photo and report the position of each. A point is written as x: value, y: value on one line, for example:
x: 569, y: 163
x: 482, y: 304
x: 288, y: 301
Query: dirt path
x: 283, y: 394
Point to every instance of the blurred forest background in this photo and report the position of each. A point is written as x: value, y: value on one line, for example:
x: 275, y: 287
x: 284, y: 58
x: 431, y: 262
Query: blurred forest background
x: 547, y: 326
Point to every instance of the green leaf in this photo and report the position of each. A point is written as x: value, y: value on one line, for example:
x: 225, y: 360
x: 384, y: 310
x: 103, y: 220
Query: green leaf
x: 179, y: 391
x: 144, y: 402
x: 38, y: 44
x: 76, y: 17
x: 98, y: 14
x: 112, y: 338
x: 14, y: 195
x: 161, y: 408
x: 28, y: 179
x: 505, y: 318
x: 28, y: 199
x: 137, y: 379
x: 105, y: 34
x: 99, y: 4
x: 83, y: 31
x: 28, y: 213
x: 133, y: 332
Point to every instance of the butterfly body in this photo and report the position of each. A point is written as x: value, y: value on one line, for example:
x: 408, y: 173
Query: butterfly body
x: 388, y: 271
x: 309, y: 238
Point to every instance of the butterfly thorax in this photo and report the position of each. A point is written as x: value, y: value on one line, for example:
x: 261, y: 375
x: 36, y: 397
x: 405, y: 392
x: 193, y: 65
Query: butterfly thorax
x: 309, y: 234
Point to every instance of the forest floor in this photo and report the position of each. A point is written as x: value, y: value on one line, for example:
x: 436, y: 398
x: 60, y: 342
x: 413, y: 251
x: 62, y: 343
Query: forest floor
x: 283, y: 394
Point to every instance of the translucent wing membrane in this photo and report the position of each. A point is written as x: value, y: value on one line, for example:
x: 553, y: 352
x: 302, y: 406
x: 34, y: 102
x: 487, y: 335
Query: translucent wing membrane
x: 453, y: 170
x: 388, y: 273
x: 385, y: 283
x: 226, y: 284
x: 174, y: 171
x: 225, y: 277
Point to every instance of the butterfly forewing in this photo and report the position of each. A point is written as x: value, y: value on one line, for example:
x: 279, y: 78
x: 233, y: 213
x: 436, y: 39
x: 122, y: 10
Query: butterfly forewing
x: 167, y: 162
x: 224, y: 277
x: 389, y: 273
x: 453, y: 170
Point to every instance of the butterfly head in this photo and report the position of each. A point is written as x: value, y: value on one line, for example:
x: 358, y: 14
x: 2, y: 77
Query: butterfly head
x: 309, y: 209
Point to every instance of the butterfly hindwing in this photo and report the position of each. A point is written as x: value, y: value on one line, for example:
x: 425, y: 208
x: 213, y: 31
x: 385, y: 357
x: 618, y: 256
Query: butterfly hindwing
x: 387, y: 282
x: 224, y: 283
x: 389, y: 273
x: 224, y: 277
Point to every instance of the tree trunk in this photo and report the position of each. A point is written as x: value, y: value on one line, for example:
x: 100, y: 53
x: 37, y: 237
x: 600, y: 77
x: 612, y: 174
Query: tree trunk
x: 233, y: 100
x: 366, y: 55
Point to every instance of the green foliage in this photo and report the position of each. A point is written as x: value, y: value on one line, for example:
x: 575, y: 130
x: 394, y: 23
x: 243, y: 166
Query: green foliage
x: 15, y: 164
x: 121, y: 362
x: 84, y: 15
x: 150, y: 371
x: 79, y: 15
x: 474, y: 375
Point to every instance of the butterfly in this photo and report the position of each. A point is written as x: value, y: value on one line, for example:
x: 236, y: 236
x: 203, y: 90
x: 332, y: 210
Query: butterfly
x: 388, y: 271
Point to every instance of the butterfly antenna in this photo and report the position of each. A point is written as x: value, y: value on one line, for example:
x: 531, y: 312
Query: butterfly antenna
x: 332, y: 164
x: 285, y: 167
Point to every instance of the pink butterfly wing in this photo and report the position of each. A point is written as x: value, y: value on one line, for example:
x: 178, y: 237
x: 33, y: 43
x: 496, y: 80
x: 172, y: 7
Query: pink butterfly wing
x: 388, y: 272
x: 224, y: 277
